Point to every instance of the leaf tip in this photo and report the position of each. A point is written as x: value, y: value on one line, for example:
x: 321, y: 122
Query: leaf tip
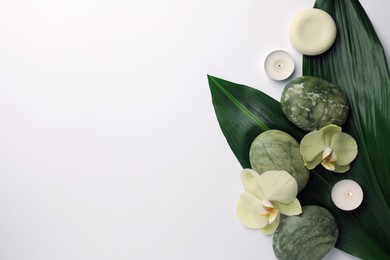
x: 209, y: 77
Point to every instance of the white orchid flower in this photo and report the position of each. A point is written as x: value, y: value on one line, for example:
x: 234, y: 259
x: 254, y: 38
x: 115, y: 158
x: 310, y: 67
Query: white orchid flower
x: 266, y: 196
x: 330, y: 147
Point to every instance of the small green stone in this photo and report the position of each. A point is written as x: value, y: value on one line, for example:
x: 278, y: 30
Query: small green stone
x: 277, y: 150
x: 312, y: 103
x: 309, y: 236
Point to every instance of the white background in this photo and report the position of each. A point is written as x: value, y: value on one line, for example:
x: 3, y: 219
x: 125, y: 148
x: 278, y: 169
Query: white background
x: 109, y: 145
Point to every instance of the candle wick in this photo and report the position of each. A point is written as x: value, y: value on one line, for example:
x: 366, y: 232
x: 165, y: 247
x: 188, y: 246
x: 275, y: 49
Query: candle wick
x: 349, y: 193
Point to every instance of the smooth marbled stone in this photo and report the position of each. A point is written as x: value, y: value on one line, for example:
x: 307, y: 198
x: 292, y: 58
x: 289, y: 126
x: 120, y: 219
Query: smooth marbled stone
x: 312, y: 103
x: 277, y: 150
x: 309, y: 236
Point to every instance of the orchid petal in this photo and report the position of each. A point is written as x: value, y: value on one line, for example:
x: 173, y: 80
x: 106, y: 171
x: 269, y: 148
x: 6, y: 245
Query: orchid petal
x: 328, y: 151
x: 341, y: 168
x: 249, y: 180
x: 272, y: 216
x: 312, y: 164
x: 291, y: 209
x: 248, y: 211
x: 278, y: 186
x: 271, y: 212
x: 311, y: 145
x: 328, y: 132
x: 329, y: 166
x: 345, y: 148
x: 267, y: 203
x: 270, y: 229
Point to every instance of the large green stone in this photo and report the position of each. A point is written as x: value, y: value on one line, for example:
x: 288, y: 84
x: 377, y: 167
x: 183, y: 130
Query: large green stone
x: 312, y: 103
x: 277, y: 150
x: 309, y: 236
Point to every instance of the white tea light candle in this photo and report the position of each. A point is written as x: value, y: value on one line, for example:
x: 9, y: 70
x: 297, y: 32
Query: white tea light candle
x: 347, y: 195
x: 279, y: 65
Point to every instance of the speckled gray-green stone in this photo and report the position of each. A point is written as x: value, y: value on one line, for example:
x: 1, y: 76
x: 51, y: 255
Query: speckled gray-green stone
x: 308, y: 236
x: 277, y: 150
x: 312, y: 103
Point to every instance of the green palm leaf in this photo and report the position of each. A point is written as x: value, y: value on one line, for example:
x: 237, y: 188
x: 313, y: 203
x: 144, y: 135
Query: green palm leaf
x: 243, y: 113
x: 357, y: 64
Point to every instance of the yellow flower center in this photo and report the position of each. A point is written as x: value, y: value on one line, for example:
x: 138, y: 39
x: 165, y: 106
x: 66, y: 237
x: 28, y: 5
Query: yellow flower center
x: 270, y: 211
x: 328, y: 159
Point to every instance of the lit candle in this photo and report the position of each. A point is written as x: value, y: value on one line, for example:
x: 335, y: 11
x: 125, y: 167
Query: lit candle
x: 347, y: 195
x: 279, y: 65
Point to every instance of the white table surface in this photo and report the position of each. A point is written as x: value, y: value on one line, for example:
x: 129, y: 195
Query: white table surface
x: 109, y: 147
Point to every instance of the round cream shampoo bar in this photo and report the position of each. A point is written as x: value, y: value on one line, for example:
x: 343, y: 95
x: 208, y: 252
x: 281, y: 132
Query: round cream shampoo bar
x: 312, y: 32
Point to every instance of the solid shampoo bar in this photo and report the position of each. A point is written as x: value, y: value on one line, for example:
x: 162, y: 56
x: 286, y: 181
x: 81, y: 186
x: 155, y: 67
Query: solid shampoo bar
x: 312, y: 31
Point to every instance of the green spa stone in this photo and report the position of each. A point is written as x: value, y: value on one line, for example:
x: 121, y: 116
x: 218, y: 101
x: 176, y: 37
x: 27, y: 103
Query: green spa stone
x: 309, y: 236
x: 312, y: 103
x: 277, y: 150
